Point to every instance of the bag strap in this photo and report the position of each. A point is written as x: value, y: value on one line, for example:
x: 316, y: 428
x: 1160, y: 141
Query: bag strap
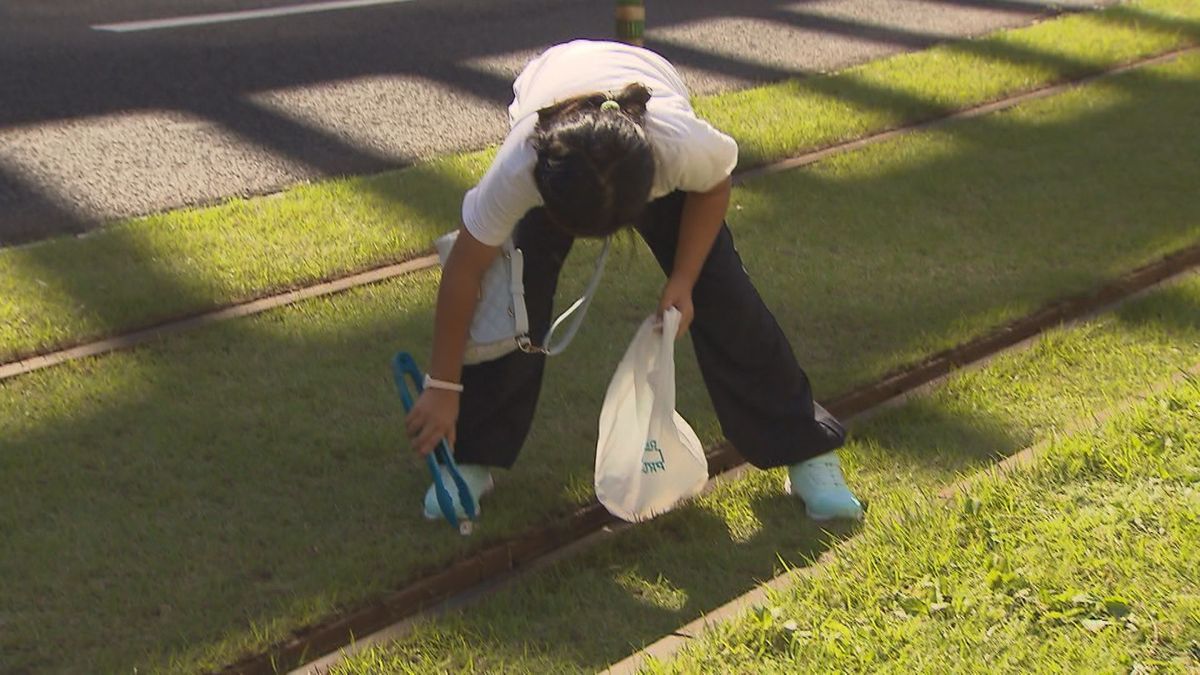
x: 516, y: 281
x: 576, y: 312
x: 405, y: 369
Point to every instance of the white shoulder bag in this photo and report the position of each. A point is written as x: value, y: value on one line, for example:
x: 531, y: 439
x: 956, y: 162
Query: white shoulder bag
x: 501, y: 324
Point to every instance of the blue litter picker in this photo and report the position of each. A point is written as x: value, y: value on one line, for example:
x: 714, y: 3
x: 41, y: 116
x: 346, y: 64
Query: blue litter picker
x: 404, y: 366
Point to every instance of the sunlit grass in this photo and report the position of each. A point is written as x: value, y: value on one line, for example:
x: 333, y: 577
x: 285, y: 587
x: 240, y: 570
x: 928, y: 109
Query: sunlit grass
x: 1086, y: 562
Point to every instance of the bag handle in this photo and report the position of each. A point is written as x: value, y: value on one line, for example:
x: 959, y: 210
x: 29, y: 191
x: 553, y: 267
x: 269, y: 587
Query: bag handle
x: 576, y: 312
x: 404, y: 367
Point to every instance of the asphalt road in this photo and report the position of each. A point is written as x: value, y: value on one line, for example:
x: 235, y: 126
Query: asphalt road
x: 97, y: 125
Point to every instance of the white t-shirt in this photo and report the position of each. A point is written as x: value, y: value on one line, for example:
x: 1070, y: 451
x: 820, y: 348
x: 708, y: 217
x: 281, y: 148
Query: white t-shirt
x: 689, y: 154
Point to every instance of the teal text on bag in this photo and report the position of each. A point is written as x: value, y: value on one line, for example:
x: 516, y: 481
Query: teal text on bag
x: 649, y: 462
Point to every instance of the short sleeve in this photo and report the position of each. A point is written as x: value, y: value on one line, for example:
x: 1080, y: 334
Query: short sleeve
x: 492, y: 209
x: 690, y: 154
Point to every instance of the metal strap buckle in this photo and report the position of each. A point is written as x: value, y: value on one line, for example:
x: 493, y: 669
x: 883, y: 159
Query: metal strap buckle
x: 526, y: 345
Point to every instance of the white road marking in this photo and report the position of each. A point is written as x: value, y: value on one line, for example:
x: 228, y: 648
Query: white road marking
x: 244, y: 15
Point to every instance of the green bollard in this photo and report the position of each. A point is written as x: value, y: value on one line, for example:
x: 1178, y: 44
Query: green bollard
x: 631, y: 21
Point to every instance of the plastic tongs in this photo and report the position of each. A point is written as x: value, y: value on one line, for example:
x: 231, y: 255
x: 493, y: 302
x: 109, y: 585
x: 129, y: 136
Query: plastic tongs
x: 403, y: 365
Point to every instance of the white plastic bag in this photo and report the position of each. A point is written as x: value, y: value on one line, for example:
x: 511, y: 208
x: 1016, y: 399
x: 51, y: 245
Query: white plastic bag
x: 647, y: 457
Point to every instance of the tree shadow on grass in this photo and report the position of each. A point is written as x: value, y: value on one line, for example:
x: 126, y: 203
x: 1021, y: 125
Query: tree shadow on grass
x: 1163, y: 311
x: 928, y: 433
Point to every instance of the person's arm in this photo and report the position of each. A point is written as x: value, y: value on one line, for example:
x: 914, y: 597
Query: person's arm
x: 435, y: 413
x: 701, y: 220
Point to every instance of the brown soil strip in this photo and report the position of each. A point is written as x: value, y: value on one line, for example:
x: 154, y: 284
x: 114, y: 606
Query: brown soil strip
x: 424, y: 260
x: 522, y: 550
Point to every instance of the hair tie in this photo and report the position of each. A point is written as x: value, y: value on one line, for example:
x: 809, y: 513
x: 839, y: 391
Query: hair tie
x: 610, y: 105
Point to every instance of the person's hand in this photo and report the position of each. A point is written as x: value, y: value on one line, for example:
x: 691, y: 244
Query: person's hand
x: 678, y: 294
x: 432, y: 418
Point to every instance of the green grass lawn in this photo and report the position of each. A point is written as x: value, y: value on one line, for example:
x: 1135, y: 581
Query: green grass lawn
x: 1087, y: 563
x: 176, y: 505
x: 142, y: 271
x: 593, y: 610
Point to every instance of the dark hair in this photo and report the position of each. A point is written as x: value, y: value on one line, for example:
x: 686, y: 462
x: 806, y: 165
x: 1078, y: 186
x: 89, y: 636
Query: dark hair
x: 594, y: 165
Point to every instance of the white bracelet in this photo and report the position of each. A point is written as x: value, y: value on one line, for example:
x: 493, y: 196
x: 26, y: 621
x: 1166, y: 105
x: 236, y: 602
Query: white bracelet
x: 441, y: 384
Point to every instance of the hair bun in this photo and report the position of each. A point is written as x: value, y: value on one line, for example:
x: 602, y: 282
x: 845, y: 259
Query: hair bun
x: 633, y: 99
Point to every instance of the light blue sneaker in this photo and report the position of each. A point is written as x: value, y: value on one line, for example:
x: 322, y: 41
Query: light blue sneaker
x: 478, y: 478
x: 820, y: 483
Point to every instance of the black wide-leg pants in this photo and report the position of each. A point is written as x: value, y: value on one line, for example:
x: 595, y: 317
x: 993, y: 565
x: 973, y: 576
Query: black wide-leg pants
x: 761, y: 395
